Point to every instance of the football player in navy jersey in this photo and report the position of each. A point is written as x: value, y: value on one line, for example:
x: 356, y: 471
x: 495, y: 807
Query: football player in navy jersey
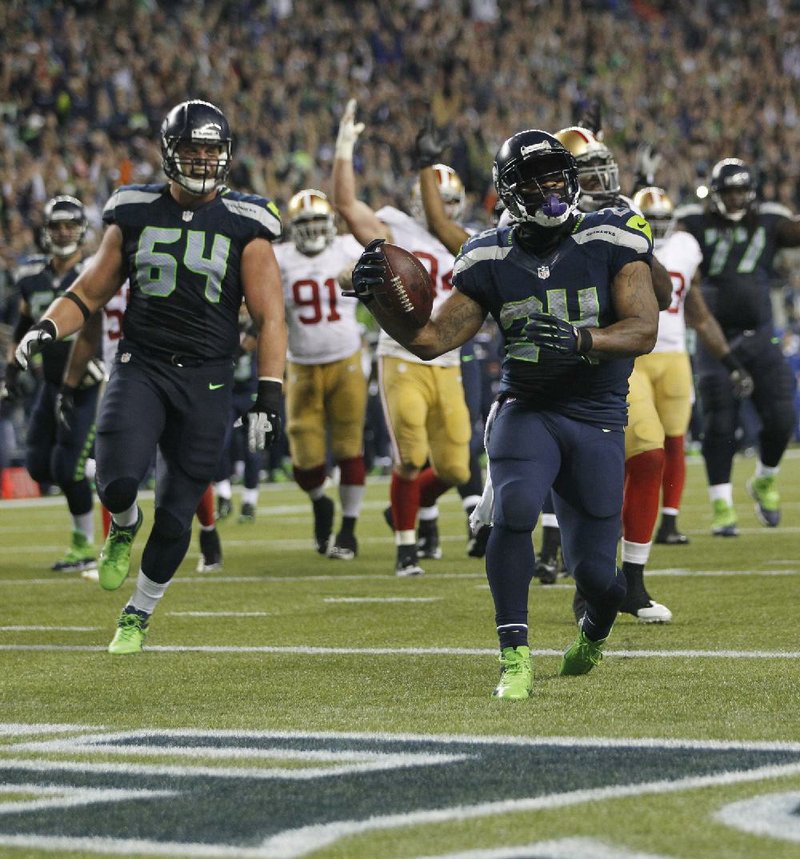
x: 192, y: 250
x: 56, y: 451
x: 573, y: 296
x: 739, y: 238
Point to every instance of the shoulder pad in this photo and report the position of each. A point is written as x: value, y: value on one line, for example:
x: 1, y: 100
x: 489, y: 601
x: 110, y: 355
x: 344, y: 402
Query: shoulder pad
x: 29, y: 268
x: 264, y: 212
x: 131, y: 195
x: 774, y: 209
x: 492, y: 244
x: 616, y: 226
x: 688, y: 210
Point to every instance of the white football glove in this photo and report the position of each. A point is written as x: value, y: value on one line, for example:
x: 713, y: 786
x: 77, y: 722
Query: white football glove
x: 34, y: 341
x: 349, y: 131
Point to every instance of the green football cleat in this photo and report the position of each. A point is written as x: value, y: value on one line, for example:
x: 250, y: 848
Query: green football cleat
x: 724, y: 522
x: 582, y: 655
x: 132, y: 628
x: 516, y: 674
x: 80, y: 556
x: 768, y: 501
x: 115, y: 557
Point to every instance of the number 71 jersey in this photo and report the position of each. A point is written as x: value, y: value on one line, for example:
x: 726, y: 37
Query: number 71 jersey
x: 322, y: 325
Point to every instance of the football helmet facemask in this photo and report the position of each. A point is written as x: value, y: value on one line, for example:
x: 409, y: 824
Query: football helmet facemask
x: 732, y: 179
x: 657, y: 207
x: 536, y: 178
x: 64, y: 227
x: 311, y: 223
x: 598, y: 171
x: 201, y: 125
x: 451, y: 189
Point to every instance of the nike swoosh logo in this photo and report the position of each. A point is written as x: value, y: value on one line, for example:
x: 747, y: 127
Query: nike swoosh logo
x: 213, y: 387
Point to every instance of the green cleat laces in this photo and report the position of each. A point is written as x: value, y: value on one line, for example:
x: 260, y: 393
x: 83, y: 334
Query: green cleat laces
x: 516, y: 674
x: 131, y: 632
x: 581, y: 656
x: 115, y: 557
x: 768, y: 501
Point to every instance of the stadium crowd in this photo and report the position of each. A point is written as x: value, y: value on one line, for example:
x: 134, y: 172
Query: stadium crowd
x: 84, y: 86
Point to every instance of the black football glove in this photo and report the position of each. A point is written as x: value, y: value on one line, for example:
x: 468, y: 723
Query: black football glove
x: 65, y: 408
x: 9, y: 387
x: 741, y: 380
x: 368, y: 272
x: 429, y: 145
x: 558, y: 335
x: 264, y: 418
x: 37, y: 337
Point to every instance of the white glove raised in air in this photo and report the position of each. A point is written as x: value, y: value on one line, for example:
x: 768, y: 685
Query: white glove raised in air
x: 349, y: 130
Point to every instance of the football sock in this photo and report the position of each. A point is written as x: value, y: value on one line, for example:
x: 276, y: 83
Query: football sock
x: 85, y: 524
x: 634, y: 577
x: 551, y: 541
x: 127, y: 518
x: 642, y: 491
x: 348, y: 526
x: 674, y: 476
x: 147, y: 594
x: 309, y: 479
x: 205, y: 508
x: 404, y: 496
x: 223, y: 489
x: 105, y: 515
x: 513, y: 635
x: 430, y: 487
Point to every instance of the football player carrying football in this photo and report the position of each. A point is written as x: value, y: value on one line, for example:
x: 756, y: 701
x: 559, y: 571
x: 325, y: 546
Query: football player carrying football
x: 423, y: 400
x: 192, y: 250
x: 573, y: 296
x: 326, y: 386
x: 57, y: 450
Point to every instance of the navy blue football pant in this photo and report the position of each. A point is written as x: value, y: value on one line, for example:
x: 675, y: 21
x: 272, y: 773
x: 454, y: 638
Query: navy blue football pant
x: 530, y: 452
x: 58, y: 455
x: 183, y: 412
x: 773, y: 399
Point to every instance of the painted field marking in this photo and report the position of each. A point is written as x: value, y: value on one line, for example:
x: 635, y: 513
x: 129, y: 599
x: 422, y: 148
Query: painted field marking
x: 774, y: 815
x: 382, y: 599
x: 407, y: 651
x: 49, y: 628
x: 562, y: 848
x: 219, y: 613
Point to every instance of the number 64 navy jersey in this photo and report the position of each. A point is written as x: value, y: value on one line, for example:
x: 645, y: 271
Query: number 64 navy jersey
x: 572, y: 282
x: 184, y: 266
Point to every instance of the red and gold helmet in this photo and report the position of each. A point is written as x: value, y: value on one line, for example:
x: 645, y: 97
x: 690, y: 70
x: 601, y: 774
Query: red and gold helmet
x: 598, y: 171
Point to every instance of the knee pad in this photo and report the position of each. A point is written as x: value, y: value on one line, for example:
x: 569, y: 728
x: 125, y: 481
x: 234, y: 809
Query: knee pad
x: 166, y: 526
x: 118, y: 495
x: 513, y: 506
x: 38, y: 467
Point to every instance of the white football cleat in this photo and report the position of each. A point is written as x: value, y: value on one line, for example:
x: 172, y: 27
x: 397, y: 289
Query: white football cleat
x: 653, y: 612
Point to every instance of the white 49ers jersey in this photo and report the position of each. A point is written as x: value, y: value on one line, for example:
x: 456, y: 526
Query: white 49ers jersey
x: 322, y: 325
x: 112, y: 323
x: 681, y: 256
x: 408, y: 234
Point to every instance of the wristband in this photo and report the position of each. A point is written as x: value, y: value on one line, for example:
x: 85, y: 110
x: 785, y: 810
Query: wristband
x: 268, y: 397
x: 78, y: 302
x: 585, y: 341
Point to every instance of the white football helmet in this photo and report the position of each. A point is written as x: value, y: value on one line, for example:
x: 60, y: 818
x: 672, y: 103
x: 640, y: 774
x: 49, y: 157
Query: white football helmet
x: 598, y: 171
x: 311, y: 222
x: 655, y: 204
x: 451, y: 189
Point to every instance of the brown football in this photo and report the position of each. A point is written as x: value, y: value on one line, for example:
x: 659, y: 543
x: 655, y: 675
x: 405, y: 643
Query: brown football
x: 407, y: 290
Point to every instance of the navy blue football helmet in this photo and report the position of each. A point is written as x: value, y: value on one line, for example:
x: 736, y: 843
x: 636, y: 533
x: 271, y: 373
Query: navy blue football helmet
x: 733, y: 188
x: 196, y: 122
x: 536, y: 177
x: 64, y: 226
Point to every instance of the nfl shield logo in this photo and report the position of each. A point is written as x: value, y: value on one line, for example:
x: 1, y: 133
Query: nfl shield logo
x: 187, y: 216
x: 543, y: 271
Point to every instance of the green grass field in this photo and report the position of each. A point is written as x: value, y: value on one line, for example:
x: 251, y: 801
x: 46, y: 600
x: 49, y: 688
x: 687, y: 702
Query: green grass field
x: 296, y: 706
